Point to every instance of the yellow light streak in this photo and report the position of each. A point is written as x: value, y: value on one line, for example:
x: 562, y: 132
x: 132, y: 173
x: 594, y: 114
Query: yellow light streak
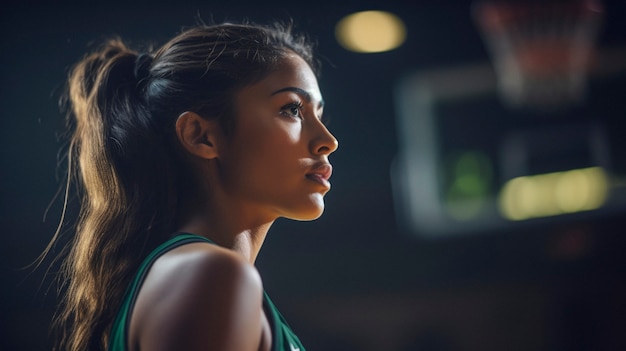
x: 553, y: 194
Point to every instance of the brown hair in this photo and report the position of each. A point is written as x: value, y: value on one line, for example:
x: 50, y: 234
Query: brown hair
x: 124, y: 153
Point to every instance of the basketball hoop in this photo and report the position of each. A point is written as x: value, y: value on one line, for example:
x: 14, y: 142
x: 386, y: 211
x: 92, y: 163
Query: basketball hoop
x: 541, y: 50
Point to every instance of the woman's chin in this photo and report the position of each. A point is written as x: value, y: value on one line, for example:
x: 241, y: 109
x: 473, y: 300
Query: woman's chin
x: 309, y: 213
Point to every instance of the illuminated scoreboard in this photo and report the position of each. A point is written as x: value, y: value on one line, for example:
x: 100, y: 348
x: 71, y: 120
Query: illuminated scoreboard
x: 469, y: 162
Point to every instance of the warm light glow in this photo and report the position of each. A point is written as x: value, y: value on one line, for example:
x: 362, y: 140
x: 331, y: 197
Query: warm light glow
x: 553, y: 193
x: 370, y: 31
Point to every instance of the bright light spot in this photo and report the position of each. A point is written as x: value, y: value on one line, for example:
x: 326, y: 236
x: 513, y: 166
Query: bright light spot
x: 572, y: 191
x: 370, y: 31
x: 553, y: 193
x: 512, y: 199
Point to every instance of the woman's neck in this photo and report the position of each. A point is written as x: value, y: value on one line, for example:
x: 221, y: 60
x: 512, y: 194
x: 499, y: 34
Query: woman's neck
x: 227, y: 228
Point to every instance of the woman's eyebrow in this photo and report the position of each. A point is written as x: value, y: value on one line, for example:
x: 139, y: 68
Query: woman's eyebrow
x: 300, y: 92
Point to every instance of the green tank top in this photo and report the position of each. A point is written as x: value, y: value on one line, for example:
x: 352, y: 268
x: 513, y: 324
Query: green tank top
x: 283, y: 338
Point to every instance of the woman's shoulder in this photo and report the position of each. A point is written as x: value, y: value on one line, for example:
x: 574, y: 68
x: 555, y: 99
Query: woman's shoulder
x: 201, y: 260
x: 197, y: 286
x: 200, y: 264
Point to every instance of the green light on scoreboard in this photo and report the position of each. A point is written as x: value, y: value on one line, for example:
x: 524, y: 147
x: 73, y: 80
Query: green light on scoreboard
x: 469, y: 178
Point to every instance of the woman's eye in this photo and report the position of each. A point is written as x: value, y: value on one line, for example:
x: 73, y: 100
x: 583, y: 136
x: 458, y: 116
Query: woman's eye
x: 293, y: 110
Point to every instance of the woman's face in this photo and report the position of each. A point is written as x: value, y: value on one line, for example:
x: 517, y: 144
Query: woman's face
x: 276, y: 160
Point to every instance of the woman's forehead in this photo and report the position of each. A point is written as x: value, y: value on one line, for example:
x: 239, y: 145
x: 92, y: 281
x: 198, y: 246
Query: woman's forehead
x: 292, y: 75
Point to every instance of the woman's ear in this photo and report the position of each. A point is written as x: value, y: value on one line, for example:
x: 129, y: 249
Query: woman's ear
x: 198, y: 135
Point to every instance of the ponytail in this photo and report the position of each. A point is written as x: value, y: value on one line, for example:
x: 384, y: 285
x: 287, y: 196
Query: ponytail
x: 116, y: 150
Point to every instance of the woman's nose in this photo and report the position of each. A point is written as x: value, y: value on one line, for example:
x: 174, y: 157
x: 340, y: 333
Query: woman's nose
x: 325, y: 142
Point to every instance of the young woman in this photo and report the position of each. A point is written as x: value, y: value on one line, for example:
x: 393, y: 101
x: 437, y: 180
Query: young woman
x: 185, y: 158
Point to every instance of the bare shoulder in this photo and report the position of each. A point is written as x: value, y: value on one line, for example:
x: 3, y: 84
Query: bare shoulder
x: 196, y: 297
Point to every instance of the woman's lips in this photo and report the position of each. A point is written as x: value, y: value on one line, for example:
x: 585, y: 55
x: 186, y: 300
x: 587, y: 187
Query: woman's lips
x: 321, y: 174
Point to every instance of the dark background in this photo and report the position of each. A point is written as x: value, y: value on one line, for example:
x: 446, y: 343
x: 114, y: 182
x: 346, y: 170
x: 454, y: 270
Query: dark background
x: 352, y: 280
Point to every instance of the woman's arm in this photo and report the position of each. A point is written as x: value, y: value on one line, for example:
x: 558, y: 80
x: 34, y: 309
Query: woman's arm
x: 199, y: 297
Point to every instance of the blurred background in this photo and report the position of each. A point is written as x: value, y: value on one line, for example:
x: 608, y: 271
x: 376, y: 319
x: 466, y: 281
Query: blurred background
x: 478, y: 195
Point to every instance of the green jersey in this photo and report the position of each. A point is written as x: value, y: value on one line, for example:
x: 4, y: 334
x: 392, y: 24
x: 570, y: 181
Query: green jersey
x: 283, y: 338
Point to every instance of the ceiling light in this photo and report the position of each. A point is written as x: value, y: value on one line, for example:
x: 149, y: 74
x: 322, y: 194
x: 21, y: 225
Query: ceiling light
x: 370, y: 31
